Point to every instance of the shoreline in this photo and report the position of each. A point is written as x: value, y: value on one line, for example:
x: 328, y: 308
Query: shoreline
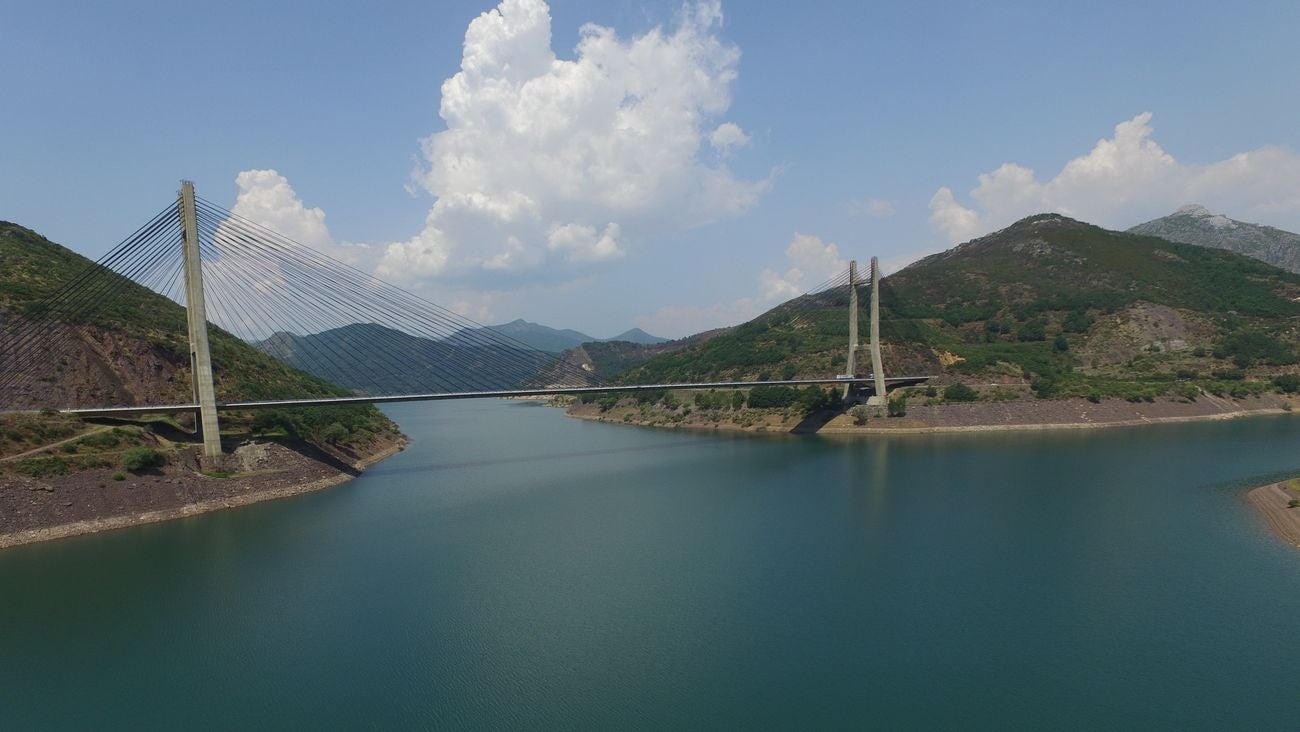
x: 109, y: 523
x: 1047, y: 426
x: 842, y: 426
x: 1270, y: 502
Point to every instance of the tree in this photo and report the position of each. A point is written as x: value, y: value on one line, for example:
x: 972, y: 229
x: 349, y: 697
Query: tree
x: 334, y: 433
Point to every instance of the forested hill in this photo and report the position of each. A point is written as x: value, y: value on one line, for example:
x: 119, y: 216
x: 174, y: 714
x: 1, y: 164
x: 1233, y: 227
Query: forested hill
x: 1064, y: 305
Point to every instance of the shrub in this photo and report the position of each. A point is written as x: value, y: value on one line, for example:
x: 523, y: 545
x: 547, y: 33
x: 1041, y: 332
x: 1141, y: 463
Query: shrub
x: 1033, y: 330
x: 898, y: 406
x: 931, y: 391
x: 960, y: 393
x: 1044, y: 387
x: 139, y: 458
x: 772, y: 397
x: 119, y: 476
x: 1287, y: 383
x: 1078, y: 321
x: 1247, y: 347
x: 860, y: 414
x: 103, y: 440
x: 1061, y: 344
x: 1094, y: 397
x: 43, y: 467
x: 1188, y: 391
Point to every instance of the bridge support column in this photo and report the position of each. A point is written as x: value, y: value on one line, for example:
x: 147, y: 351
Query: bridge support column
x: 877, y: 370
x: 851, y: 368
x: 196, y: 312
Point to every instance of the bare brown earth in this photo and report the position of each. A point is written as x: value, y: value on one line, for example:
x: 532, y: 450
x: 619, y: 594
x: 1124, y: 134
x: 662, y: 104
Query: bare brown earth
x: 969, y: 417
x: 90, y: 365
x: 1272, y: 501
x: 1062, y: 414
x: 39, y: 509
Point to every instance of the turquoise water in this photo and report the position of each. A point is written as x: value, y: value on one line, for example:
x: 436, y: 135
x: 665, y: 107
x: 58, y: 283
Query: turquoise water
x: 516, y: 568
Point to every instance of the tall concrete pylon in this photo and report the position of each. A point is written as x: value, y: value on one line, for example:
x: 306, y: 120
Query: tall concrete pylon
x: 197, y: 317
x: 851, y: 368
x: 877, y: 370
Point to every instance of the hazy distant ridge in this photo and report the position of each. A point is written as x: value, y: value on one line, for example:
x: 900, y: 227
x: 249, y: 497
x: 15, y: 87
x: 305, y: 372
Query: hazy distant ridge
x: 1195, y: 224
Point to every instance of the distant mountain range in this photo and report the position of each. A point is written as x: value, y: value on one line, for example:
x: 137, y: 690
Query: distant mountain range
x: 374, y: 359
x: 553, y: 340
x: 1195, y: 224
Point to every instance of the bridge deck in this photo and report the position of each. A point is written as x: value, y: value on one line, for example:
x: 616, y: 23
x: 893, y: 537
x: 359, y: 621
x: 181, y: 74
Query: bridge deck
x: 438, y: 396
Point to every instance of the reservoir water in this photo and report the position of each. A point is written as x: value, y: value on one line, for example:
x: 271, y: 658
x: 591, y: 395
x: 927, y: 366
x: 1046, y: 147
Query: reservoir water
x: 515, y: 568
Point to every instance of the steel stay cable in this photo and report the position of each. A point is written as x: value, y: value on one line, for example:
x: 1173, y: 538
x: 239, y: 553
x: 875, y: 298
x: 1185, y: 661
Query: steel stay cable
x: 312, y: 271
x: 142, y: 257
x: 476, y: 330
x: 22, y: 375
x: 329, y: 292
x: 92, y: 280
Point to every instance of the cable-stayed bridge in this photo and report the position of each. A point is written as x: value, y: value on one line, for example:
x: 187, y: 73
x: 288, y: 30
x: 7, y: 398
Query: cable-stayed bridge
x: 204, y: 284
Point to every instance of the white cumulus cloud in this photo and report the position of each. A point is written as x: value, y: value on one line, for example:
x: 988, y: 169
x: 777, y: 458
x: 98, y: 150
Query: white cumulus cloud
x: 583, y: 243
x: 266, y: 198
x: 556, y: 161
x: 812, y: 261
x: 727, y: 137
x: 1124, y: 180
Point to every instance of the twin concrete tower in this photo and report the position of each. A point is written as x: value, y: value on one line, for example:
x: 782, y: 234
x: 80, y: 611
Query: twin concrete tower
x: 877, y: 371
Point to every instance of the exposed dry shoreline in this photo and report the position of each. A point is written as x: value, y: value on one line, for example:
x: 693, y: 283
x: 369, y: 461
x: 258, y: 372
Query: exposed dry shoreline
x: 1062, y: 414
x: 33, y: 510
x: 1272, y: 501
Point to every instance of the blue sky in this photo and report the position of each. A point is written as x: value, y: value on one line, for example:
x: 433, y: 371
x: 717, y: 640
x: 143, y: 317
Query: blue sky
x: 863, y: 126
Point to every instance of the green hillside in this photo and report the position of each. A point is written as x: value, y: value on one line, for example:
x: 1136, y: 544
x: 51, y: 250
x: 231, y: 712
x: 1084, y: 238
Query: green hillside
x: 1068, y: 307
x: 131, y: 347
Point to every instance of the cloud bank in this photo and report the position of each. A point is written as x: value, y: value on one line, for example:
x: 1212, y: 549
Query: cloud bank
x: 553, y: 162
x: 1124, y: 180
